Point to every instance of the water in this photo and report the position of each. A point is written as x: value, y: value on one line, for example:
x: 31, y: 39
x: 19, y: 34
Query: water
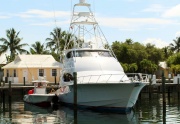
x: 146, y: 111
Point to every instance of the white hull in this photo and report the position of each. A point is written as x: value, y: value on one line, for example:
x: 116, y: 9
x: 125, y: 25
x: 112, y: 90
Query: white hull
x: 120, y: 96
x: 38, y: 98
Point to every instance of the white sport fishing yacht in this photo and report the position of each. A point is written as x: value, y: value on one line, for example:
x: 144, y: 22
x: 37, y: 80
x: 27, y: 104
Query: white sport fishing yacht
x: 101, y: 81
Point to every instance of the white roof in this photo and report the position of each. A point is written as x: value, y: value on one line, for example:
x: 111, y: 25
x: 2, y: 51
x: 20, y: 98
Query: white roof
x: 33, y: 61
x: 163, y: 65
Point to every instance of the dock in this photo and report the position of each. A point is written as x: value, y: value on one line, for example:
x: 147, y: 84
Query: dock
x: 149, y: 90
x: 154, y: 88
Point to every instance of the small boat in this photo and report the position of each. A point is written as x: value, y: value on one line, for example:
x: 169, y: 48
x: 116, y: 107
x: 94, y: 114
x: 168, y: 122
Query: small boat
x: 102, y: 83
x: 39, y: 96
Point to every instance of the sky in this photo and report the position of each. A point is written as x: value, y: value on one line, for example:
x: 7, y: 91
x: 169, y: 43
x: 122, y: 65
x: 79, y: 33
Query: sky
x: 145, y: 21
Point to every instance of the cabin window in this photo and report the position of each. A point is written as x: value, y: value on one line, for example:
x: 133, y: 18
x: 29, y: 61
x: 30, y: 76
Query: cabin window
x: 54, y: 72
x: 7, y: 73
x: 15, y: 74
x: 41, y: 72
x: 104, y: 54
x: 84, y: 53
x: 89, y: 53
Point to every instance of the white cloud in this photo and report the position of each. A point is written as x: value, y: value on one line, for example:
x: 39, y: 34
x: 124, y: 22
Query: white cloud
x: 134, y: 23
x: 61, y: 23
x: 173, y: 12
x: 154, y: 8
x: 157, y: 42
x: 177, y: 34
x: 43, y: 14
x: 35, y: 13
x: 3, y: 17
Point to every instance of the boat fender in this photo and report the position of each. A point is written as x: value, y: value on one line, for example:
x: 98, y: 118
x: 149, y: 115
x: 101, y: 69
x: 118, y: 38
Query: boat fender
x: 31, y: 91
x: 62, y: 89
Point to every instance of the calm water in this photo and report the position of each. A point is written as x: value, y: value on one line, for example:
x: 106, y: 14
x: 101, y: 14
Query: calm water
x: 145, y: 112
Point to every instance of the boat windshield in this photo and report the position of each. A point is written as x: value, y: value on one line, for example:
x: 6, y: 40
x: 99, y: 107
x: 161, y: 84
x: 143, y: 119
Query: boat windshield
x: 89, y: 53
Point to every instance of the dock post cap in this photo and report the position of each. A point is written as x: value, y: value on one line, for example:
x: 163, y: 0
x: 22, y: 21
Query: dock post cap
x: 169, y: 75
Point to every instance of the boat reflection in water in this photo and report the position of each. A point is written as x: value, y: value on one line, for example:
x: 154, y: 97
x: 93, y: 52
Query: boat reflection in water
x: 36, y: 109
x: 39, y: 114
x: 65, y: 115
x: 91, y: 117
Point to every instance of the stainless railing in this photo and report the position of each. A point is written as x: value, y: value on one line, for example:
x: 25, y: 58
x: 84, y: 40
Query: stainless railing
x: 114, y: 78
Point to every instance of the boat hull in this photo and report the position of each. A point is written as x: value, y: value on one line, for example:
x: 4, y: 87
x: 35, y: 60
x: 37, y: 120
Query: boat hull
x: 117, y: 97
x: 42, y: 100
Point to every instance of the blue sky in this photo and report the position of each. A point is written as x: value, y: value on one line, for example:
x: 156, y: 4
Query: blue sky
x: 144, y: 21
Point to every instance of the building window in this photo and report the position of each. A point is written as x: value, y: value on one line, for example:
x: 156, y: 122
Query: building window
x: 15, y: 74
x: 54, y: 72
x: 7, y: 73
x: 41, y: 72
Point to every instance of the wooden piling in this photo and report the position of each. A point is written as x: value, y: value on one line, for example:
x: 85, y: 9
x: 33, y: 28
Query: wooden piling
x: 150, y: 92
x: 0, y: 81
x: 10, y: 88
x: 75, y: 97
x: 24, y: 80
x: 164, y: 98
x: 150, y: 88
x: 178, y: 86
x: 75, y: 88
x: 3, y: 97
x: 10, y: 110
x: 10, y: 97
x: 55, y: 80
x: 6, y: 79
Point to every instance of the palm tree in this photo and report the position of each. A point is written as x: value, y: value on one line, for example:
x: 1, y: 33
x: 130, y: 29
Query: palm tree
x: 57, y: 41
x: 69, y: 38
x: 133, y: 67
x: 12, y: 43
x: 145, y: 64
x: 176, y: 46
x: 38, y: 48
x: 125, y: 66
x: 153, y: 68
x: 166, y: 52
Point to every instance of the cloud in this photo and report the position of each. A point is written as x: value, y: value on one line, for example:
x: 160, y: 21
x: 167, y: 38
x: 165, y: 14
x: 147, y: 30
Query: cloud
x: 157, y: 42
x: 4, y: 17
x: 177, y: 34
x: 172, y: 12
x: 35, y: 13
x: 134, y: 23
x: 43, y: 14
x: 154, y: 8
x: 61, y: 23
